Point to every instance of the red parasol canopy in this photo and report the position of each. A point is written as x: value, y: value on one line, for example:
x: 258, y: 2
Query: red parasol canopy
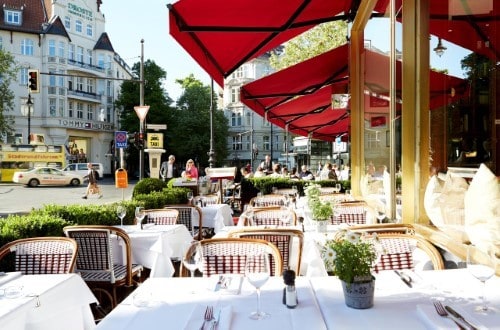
x: 222, y: 35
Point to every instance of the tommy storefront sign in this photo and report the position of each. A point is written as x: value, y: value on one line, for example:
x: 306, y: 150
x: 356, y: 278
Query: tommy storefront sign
x: 86, y: 125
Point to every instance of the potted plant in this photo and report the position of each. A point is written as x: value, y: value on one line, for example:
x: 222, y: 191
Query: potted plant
x: 350, y: 257
x: 321, y: 213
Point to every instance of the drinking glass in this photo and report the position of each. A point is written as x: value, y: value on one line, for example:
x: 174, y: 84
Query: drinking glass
x: 121, y: 211
x: 295, y: 192
x: 257, y: 272
x: 190, y: 196
x: 338, y: 187
x: 192, y: 258
x: 482, y: 266
x: 274, y: 190
x: 380, y: 215
x: 285, y: 216
x: 139, y: 215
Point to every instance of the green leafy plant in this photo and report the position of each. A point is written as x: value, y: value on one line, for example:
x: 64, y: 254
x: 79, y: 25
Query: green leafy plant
x: 321, y: 211
x: 351, y: 256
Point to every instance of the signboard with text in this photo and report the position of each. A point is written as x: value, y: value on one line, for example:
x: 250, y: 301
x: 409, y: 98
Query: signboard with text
x: 155, y: 140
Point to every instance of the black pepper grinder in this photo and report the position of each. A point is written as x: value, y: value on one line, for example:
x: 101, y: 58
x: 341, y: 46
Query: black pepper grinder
x: 289, y: 292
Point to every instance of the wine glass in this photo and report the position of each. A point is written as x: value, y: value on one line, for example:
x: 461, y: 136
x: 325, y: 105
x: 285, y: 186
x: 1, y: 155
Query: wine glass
x: 190, y: 196
x: 295, y: 192
x: 284, y: 215
x: 257, y: 272
x: 139, y: 215
x: 482, y: 266
x: 338, y: 187
x: 380, y: 215
x: 192, y: 258
x: 274, y: 190
x: 121, y: 211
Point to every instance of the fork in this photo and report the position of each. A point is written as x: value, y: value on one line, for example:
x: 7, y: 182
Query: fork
x: 209, y: 315
x: 442, y: 312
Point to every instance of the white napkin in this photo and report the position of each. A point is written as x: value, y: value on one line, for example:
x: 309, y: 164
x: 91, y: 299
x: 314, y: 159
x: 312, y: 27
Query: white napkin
x: 428, y: 314
x: 9, y: 277
x: 196, y: 319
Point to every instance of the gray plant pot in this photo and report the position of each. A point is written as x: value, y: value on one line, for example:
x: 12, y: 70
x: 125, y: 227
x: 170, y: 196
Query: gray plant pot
x: 321, y: 226
x: 359, y: 295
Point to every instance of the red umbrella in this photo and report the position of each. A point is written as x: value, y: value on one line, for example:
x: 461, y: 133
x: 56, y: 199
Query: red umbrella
x: 222, y: 35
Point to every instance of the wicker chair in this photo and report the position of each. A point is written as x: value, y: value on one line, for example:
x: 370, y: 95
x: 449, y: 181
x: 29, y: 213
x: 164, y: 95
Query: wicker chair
x: 400, y: 252
x: 186, y: 218
x: 206, y: 199
x: 349, y: 213
x: 228, y: 255
x: 95, y: 261
x: 271, y: 216
x: 162, y: 216
x: 40, y: 255
x: 385, y: 228
x: 284, y: 239
x: 268, y: 200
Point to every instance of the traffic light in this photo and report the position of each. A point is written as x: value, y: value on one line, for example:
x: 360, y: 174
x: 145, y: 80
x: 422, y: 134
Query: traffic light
x: 33, y: 81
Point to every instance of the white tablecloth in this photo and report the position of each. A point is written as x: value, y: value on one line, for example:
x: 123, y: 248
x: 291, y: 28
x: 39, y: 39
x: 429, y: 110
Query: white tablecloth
x: 173, y: 303
x: 216, y: 216
x: 63, y: 303
x: 395, y: 303
x: 154, y: 247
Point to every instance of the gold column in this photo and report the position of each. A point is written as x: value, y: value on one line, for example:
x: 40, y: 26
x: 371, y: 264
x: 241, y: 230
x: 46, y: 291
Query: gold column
x: 357, y: 81
x: 415, y: 119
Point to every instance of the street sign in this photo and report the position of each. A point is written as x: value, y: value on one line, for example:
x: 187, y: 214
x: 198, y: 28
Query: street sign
x: 155, y: 140
x: 156, y: 127
x: 120, y: 139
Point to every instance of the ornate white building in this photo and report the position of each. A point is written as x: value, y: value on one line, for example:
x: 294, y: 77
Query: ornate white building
x: 251, y: 136
x: 80, y: 74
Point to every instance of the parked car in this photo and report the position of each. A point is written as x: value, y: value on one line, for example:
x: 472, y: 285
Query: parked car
x: 81, y: 169
x: 47, y: 176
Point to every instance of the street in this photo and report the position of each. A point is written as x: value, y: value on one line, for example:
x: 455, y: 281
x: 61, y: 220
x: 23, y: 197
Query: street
x: 16, y: 198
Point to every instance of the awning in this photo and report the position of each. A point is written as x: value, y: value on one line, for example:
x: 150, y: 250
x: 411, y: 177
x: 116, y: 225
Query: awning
x: 222, y: 35
x: 471, y: 24
x: 299, y: 98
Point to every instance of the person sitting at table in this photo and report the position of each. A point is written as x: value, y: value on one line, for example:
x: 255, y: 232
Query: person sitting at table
x: 305, y: 174
x: 293, y: 174
x: 245, y: 173
x: 191, y: 171
x: 276, y: 171
x: 259, y: 173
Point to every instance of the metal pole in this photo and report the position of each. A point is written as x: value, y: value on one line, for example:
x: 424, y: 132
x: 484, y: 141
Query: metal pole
x: 141, y: 103
x: 29, y: 103
x: 211, y: 153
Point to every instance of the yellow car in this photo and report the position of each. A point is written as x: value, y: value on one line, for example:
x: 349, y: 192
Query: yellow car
x: 47, y: 176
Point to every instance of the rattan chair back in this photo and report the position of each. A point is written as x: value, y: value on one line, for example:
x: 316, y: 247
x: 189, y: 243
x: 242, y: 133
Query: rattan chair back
x: 284, y: 239
x: 186, y: 213
x: 41, y: 255
x: 268, y: 200
x: 162, y: 216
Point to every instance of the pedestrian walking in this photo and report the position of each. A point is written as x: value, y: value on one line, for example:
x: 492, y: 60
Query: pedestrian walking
x: 92, y: 187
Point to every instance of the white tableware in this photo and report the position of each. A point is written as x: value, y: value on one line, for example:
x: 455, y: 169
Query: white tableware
x: 192, y: 258
x: 257, y: 272
x: 482, y: 266
x: 139, y: 215
x: 121, y: 211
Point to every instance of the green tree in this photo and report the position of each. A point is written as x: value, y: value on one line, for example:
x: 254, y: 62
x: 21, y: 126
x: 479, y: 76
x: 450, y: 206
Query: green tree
x: 311, y: 43
x: 191, y: 132
x: 160, y: 111
x: 8, y: 71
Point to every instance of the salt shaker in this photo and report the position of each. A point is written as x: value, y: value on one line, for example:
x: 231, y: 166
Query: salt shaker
x: 289, y: 292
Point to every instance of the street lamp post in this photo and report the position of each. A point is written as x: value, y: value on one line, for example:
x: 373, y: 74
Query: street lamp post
x: 141, y: 111
x: 26, y: 111
x: 211, y: 152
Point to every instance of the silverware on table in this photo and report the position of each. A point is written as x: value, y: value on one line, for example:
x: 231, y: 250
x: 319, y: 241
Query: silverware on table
x: 405, y: 278
x: 459, y: 316
x: 208, y: 316
x: 442, y: 312
x: 215, y: 321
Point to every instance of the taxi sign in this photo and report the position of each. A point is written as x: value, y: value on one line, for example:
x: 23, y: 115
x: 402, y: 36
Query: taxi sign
x: 121, y: 139
x: 155, y: 140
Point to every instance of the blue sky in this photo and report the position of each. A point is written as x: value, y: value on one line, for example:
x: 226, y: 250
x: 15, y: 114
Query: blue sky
x: 127, y: 24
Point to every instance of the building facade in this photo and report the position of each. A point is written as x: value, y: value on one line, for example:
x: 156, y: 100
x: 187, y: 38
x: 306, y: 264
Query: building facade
x: 251, y: 136
x: 79, y: 76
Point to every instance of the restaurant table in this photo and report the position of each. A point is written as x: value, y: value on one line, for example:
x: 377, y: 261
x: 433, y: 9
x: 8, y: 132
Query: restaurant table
x: 174, y: 305
x: 216, y: 216
x: 51, y: 302
x: 154, y: 246
x: 397, y: 306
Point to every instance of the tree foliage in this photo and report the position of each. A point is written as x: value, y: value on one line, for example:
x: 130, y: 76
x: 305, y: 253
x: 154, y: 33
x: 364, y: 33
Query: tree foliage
x: 311, y: 43
x: 191, y: 132
x: 8, y: 71
x: 160, y: 111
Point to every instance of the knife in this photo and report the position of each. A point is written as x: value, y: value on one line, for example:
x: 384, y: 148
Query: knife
x: 215, y: 322
x: 460, y: 317
x: 219, y: 283
x: 403, y: 278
